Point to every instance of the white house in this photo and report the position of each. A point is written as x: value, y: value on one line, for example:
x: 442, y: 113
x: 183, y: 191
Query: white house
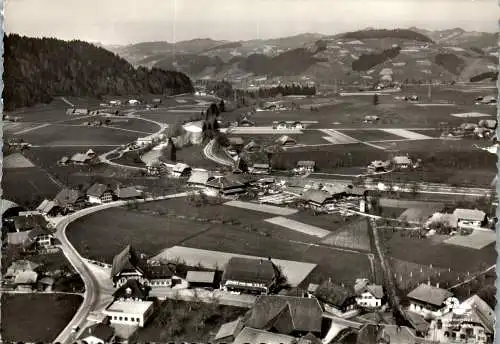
x: 368, y: 295
x: 428, y: 300
x: 98, y: 334
x: 115, y: 102
x: 469, y: 218
x: 133, y: 102
x: 133, y: 313
x: 181, y: 170
x: 143, y: 141
x: 402, y: 162
x: 100, y: 193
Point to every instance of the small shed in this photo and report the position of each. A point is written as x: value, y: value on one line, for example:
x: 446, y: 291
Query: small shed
x: 201, y: 279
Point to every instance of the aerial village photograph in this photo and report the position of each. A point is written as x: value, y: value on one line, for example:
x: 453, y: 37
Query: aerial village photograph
x: 249, y: 172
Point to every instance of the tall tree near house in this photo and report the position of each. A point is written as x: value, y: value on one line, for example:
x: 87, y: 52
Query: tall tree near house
x: 375, y: 99
x: 222, y: 106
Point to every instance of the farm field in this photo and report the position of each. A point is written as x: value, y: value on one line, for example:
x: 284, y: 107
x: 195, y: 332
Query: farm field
x: 307, y: 137
x: 193, y: 156
x: 477, y: 240
x: 55, y: 135
x: 370, y: 135
x: 31, y: 318
x: 135, y: 124
x: 169, y: 117
x: 354, y: 236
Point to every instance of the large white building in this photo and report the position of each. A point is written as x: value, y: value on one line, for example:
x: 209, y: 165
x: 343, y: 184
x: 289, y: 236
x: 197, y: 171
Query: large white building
x: 468, y: 218
x: 133, y: 312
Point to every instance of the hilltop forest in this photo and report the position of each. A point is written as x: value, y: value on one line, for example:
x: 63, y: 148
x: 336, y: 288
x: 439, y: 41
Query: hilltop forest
x: 38, y: 69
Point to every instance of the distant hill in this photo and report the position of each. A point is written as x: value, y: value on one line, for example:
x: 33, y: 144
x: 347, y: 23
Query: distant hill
x: 38, y: 69
x: 358, y: 56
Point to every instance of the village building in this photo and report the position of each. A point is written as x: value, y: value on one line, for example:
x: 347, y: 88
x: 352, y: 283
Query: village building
x: 260, y: 168
x: 305, y: 166
x: 99, y: 333
x: 371, y: 119
x: 289, y: 315
x: 200, y: 178
x: 132, y: 313
x: 472, y: 321
x: 47, y: 208
x: 133, y: 102
x: 29, y: 222
x: 245, y: 122
x: 131, y: 290
x: 297, y: 125
x: 65, y: 160
x: 81, y: 111
x: 128, y: 193
x: 470, y: 218
x: 251, y: 276
x: 368, y: 295
x: 235, y: 145
x: 18, y: 238
x: 69, y: 200
x: 254, y: 336
x: 42, y: 238
x: 402, y: 162
x: 336, y: 299
x: 225, y: 186
x: 252, y: 147
x: 201, y: 279
x: 286, y: 141
x: 25, y: 280
x: 45, y: 284
x: 100, y: 193
x: 427, y: 299
x: 379, y: 166
x: 320, y: 200
x: 181, y: 170
x: 280, y: 125
x: 81, y: 159
x: 229, y: 331
x: 144, y: 141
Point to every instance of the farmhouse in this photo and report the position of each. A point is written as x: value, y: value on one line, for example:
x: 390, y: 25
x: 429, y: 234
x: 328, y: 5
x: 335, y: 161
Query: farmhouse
x: 318, y: 199
x: 305, y: 166
x: 144, y: 141
x: 252, y: 147
x: 48, y: 208
x: 260, y: 169
x: 128, y: 193
x: 427, y: 299
x: 81, y: 111
x: 81, y: 159
x: 289, y: 315
x: 69, y: 200
x: 41, y: 237
x: 201, y: 279
x: 181, y: 170
x: 297, y: 125
x: 468, y: 218
x: 286, y: 141
x: 29, y: 222
x: 280, y: 125
x: 98, y: 334
x: 337, y: 299
x: 25, y: 280
x: 133, y: 313
x: 252, y: 276
x: 368, y: 295
x: 131, y: 290
x: 200, y: 178
x: 253, y: 336
x: 245, y: 122
x: 226, y: 185
x: 402, y: 162
x: 100, y: 193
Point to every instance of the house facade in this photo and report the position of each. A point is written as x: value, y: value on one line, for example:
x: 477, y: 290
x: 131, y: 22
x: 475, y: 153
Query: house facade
x: 470, y: 218
x: 370, y: 297
x: 251, y: 276
x: 428, y: 300
x: 132, y: 313
x: 260, y: 169
x: 402, y: 162
x: 100, y: 193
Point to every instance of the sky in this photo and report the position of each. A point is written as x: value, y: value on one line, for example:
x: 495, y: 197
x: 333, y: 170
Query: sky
x: 133, y: 21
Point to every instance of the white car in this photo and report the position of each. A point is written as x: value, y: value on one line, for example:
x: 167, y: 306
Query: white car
x: 75, y: 329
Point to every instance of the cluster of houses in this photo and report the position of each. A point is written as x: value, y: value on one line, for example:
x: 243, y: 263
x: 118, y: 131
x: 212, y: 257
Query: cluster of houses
x: 398, y: 163
x: 459, y: 219
x: 25, y: 275
x: 280, y: 125
x: 31, y: 231
x: 87, y: 158
x: 484, y: 129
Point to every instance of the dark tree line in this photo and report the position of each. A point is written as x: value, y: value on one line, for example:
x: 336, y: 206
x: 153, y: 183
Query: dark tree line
x: 38, y: 69
x: 367, y: 61
x: 384, y: 33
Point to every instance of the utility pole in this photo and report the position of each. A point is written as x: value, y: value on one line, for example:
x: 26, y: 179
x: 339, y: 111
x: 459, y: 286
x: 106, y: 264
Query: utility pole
x: 429, y: 91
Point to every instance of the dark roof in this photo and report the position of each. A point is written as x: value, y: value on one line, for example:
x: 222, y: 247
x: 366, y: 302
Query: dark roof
x: 429, y: 294
x: 158, y: 271
x: 131, y: 289
x: 101, y: 331
x: 24, y: 223
x: 249, y: 270
x: 368, y: 334
x: 38, y: 232
x: 230, y: 329
x: 200, y: 276
x: 98, y: 190
x: 128, y: 192
x: 286, y: 313
x: 306, y: 163
x: 333, y: 294
x: 128, y: 259
x: 46, y: 206
x: 67, y: 197
x: 226, y: 182
x: 316, y: 196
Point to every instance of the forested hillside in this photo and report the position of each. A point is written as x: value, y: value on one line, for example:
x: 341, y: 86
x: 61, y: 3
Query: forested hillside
x: 37, y: 69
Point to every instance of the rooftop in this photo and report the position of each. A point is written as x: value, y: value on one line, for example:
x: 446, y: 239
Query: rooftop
x: 200, y: 276
x: 129, y: 307
x: 249, y: 270
x: 100, y: 330
x: 470, y: 214
x: 429, y: 294
x: 230, y: 329
x: 252, y: 336
x: 97, y: 190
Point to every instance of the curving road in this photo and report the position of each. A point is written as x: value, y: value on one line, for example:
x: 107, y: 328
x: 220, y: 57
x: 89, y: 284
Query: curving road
x: 208, y: 151
x: 93, y: 290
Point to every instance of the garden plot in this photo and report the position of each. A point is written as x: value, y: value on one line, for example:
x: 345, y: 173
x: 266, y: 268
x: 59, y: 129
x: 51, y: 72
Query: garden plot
x: 353, y: 236
x: 298, y: 226
x: 338, y: 138
x: 16, y: 160
x: 263, y: 208
x: 478, y: 240
x: 295, y: 272
x: 399, y: 203
x: 407, y: 134
x: 372, y: 135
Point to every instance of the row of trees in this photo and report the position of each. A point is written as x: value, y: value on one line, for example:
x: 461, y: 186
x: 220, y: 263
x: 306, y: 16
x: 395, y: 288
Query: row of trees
x: 38, y: 69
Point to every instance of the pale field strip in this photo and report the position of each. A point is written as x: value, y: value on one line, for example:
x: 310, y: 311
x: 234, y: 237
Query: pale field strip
x: 184, y: 110
x: 337, y: 137
x: 407, y: 134
x: 349, y: 238
x: 261, y: 131
x: 31, y: 129
x: 477, y: 240
x: 295, y: 271
x: 298, y: 226
x: 470, y: 115
x: 436, y: 104
x: 16, y: 160
x: 263, y: 208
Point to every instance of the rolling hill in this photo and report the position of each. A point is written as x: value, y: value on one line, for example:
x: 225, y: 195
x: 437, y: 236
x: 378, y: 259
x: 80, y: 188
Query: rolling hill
x: 411, y: 54
x: 37, y: 69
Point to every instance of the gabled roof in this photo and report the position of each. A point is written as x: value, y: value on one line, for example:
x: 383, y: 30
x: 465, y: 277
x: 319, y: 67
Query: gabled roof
x: 46, y: 206
x: 25, y: 277
x: 97, y: 190
x: 128, y: 192
x: 299, y: 313
x: 158, y: 271
x: 200, y: 177
x: 249, y: 270
x: 246, y: 121
x: 401, y: 160
x: 67, y: 197
x: 230, y: 329
x: 18, y: 238
x: 80, y: 157
x: 429, y: 294
x: 374, y: 289
x: 253, y: 336
x: 24, y: 223
x: 316, y: 196
x: 479, y: 311
x: 38, y: 232
x: 23, y: 265
x: 200, y: 276
x: 251, y: 145
x: 333, y: 294
x: 470, y: 214
x: 102, y: 331
x: 226, y: 182
x: 125, y: 260
x: 131, y: 289
x: 180, y: 167
x: 285, y: 139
